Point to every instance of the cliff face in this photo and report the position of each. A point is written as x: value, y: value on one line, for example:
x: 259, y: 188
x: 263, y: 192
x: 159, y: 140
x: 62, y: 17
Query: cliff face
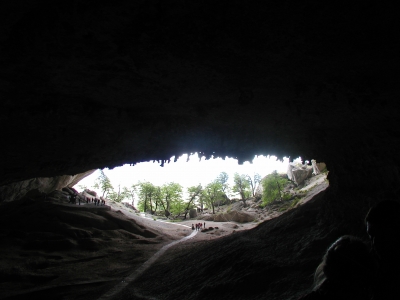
x: 17, y: 190
x: 95, y: 85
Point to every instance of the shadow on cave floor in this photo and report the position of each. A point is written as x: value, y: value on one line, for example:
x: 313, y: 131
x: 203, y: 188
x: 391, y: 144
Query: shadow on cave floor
x: 54, y: 251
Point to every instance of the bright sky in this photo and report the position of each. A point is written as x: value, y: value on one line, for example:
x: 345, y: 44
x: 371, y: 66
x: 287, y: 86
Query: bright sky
x: 186, y: 173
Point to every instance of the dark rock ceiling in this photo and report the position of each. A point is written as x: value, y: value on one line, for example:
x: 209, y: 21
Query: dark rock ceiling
x: 98, y: 84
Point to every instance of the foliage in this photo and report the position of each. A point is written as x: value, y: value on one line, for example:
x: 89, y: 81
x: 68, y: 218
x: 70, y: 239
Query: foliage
x: 103, y: 183
x: 120, y: 195
x: 146, y: 193
x: 172, y: 195
x: 254, y: 182
x: 194, y: 194
x: 241, y: 186
x: 223, y: 180
x: 129, y: 193
x: 212, y: 193
x: 273, y: 185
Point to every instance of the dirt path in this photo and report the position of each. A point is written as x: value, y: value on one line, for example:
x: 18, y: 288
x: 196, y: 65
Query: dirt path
x: 139, y: 271
x: 174, y: 230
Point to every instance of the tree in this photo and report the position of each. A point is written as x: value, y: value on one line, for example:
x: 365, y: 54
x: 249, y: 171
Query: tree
x: 254, y: 182
x: 146, y: 193
x: 194, y: 192
x: 211, y: 193
x: 130, y: 193
x: 103, y: 183
x: 172, y: 195
x: 241, y: 186
x: 272, y: 187
x: 223, y: 179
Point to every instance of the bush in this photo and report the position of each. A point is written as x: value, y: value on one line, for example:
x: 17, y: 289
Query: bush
x: 273, y: 185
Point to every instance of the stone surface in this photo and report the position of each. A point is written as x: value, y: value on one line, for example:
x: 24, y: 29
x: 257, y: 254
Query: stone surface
x: 193, y: 213
x: 298, y: 174
x: 17, y: 190
x: 234, y: 216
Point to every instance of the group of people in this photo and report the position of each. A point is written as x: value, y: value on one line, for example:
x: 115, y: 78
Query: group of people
x: 198, y: 226
x: 96, y: 201
x: 73, y: 199
x: 349, y: 270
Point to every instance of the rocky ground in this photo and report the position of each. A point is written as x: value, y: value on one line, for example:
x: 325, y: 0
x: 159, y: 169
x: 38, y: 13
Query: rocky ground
x: 63, y: 251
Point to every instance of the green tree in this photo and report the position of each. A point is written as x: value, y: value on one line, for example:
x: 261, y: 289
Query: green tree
x: 194, y: 192
x: 241, y: 186
x: 273, y: 185
x: 103, y: 183
x: 223, y: 179
x: 254, y: 182
x: 211, y: 193
x: 146, y: 195
x: 130, y: 193
x: 172, y: 197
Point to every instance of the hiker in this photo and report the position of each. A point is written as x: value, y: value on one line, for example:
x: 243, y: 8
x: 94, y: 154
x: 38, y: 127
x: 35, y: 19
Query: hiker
x: 72, y: 199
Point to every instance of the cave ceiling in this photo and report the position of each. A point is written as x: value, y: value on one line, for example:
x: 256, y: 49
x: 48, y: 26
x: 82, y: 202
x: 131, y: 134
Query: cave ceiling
x: 98, y: 84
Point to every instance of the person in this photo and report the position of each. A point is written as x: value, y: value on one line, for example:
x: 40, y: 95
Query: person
x: 383, y: 229
x: 192, y: 226
x: 73, y: 199
x: 204, y: 225
x: 347, y: 271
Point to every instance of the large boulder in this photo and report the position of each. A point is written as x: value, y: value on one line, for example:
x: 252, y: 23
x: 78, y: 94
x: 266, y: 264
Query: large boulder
x: 90, y: 192
x: 299, y: 172
x: 321, y: 166
x: 234, y: 216
x: 17, y: 190
x: 193, y: 213
x: 237, y: 206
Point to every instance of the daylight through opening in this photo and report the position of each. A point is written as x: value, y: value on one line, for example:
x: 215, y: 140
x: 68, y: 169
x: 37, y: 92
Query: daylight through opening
x: 191, y: 185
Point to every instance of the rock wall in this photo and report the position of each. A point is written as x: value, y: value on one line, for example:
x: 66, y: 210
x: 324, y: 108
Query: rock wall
x: 17, y: 190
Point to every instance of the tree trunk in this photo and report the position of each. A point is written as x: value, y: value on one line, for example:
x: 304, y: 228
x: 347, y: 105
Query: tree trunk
x: 280, y: 193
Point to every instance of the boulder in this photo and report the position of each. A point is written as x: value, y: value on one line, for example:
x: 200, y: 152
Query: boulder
x: 234, y: 216
x: 193, y: 213
x: 90, y: 192
x: 237, y: 206
x: 321, y: 166
x: 298, y: 173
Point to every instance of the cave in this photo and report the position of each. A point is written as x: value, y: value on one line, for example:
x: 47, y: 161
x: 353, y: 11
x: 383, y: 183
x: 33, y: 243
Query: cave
x: 95, y: 84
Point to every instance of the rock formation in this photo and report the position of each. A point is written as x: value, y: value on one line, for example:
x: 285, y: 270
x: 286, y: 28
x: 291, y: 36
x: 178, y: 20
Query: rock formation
x: 17, y: 190
x: 86, y: 85
x: 298, y: 172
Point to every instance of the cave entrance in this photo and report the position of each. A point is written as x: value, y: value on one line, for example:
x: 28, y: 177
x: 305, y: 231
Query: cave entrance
x: 192, y: 182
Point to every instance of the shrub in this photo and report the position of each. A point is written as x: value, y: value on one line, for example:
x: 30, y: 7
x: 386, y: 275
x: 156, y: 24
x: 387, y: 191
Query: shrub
x: 273, y: 185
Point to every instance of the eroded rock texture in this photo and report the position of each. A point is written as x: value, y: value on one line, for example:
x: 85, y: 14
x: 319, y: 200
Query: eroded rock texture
x: 17, y: 190
x: 95, y: 84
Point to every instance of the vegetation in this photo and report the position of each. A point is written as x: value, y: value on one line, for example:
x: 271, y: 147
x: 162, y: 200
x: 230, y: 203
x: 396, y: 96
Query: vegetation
x: 241, y: 186
x: 103, y: 183
x: 254, y: 182
x: 212, y: 193
x: 167, y: 199
x: 273, y: 185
